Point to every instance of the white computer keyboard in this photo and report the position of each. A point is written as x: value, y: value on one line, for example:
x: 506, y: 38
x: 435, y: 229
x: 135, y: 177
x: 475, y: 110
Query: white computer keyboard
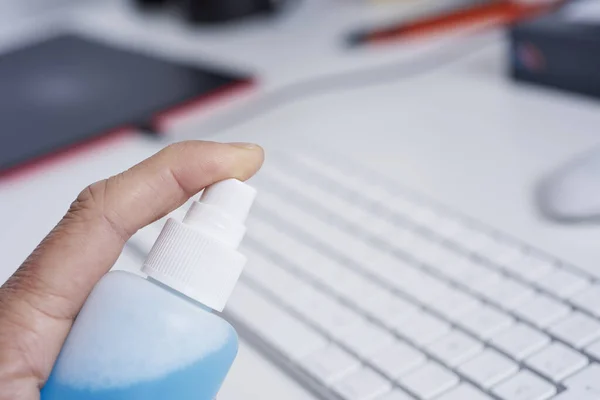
x: 362, y: 291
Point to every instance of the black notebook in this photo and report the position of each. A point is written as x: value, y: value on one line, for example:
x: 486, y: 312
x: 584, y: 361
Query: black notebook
x: 69, y: 89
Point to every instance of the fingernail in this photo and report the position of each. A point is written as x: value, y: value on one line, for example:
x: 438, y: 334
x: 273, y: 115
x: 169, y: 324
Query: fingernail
x: 246, y: 146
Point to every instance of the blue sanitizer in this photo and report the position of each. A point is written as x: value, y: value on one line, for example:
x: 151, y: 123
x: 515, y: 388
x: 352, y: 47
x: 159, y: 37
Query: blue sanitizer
x: 157, y: 338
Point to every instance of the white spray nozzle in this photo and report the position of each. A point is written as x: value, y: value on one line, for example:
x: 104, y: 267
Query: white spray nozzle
x: 222, y: 211
x: 233, y: 197
x: 198, y: 256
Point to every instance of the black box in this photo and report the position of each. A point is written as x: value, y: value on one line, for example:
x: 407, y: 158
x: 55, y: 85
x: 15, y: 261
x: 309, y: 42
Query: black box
x: 559, y: 51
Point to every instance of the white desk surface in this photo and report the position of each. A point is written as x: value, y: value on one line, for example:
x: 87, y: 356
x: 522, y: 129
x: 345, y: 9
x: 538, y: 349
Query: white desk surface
x: 464, y: 134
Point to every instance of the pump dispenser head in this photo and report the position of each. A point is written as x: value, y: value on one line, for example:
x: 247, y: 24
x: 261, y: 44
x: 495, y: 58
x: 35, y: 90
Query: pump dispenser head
x: 198, y: 256
x: 222, y: 211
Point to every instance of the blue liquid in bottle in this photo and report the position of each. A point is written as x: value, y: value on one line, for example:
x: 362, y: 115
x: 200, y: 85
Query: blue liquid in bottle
x: 187, y: 358
x: 183, y: 384
x: 157, y: 338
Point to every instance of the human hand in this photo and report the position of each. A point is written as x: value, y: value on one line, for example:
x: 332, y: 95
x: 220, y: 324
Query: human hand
x: 40, y: 301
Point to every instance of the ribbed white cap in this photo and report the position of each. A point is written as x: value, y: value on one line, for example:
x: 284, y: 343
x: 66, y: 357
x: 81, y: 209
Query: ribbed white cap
x: 198, y: 256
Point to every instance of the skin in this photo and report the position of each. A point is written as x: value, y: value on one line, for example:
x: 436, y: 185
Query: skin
x: 39, y: 303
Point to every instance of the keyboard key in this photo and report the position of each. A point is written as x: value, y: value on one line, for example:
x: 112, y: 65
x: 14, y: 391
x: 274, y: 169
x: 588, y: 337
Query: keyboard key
x: 488, y: 368
x: 476, y: 277
x: 586, y: 380
x: 520, y: 340
x: 362, y: 252
x: 448, y: 226
x: 502, y: 253
x: 398, y: 237
x: 312, y: 191
x: 576, y: 394
x: 251, y: 308
x: 563, y: 283
x: 464, y: 391
x: 366, y: 339
x: 386, y: 266
x: 371, y: 224
x: 397, y: 359
x: 304, y: 298
x: 531, y: 267
x: 454, y: 348
x: 452, y: 263
x: 362, y: 384
x: 397, y: 272
x: 396, y: 394
x: 557, y: 361
x: 255, y: 259
x: 399, y: 207
x: 507, y: 293
x: 472, y: 240
x: 485, y: 321
x: 318, y: 165
x: 416, y: 284
x: 332, y: 317
x: 273, y: 278
x: 589, y: 300
x: 577, y: 329
x: 542, y: 310
x: 280, y: 242
x: 418, y: 247
x: 388, y: 308
x: 346, y: 244
x: 427, y: 290
x: 438, y: 254
x: 422, y: 328
x: 330, y: 363
x: 454, y: 303
x: 525, y: 386
x: 351, y: 285
x: 594, y: 349
x: 320, y: 268
x: 293, y: 338
x: 425, y: 217
x: 429, y: 381
x: 367, y: 290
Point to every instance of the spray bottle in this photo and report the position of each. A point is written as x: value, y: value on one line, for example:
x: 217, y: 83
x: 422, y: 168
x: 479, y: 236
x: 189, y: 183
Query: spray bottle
x: 157, y: 337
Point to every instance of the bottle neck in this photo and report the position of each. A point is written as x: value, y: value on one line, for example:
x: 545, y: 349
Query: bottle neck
x: 179, y: 294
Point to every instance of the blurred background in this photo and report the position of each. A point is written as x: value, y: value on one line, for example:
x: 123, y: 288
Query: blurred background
x: 489, y: 106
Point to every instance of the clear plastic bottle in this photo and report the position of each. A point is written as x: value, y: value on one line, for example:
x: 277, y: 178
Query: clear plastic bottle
x: 156, y: 337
